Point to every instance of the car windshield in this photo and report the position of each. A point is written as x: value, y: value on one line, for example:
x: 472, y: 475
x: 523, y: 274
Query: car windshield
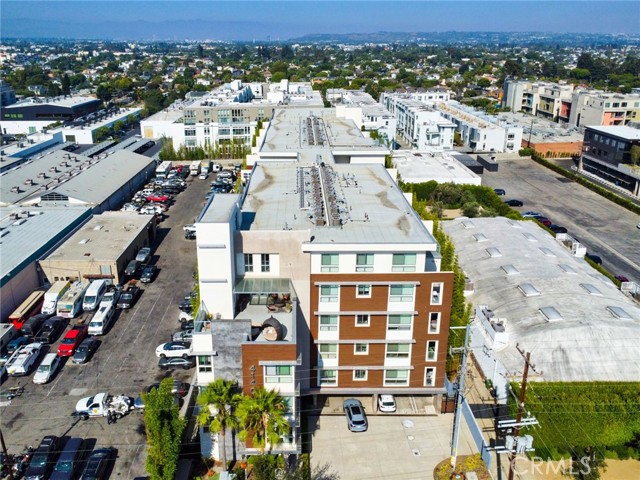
x: 89, y: 299
x: 64, y: 467
x: 43, y: 368
x: 126, y: 296
x: 68, y: 341
x: 81, y: 349
x: 39, y: 459
x: 95, y: 324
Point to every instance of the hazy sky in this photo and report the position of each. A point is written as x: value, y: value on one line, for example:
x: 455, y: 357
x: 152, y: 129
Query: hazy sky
x: 249, y: 20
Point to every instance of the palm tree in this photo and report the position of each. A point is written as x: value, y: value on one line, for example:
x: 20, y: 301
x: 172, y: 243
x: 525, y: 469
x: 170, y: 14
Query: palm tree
x: 262, y: 415
x: 218, y: 401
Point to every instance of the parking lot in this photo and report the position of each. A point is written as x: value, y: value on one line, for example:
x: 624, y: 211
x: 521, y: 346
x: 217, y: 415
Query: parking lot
x: 606, y: 229
x: 393, y: 447
x: 125, y: 361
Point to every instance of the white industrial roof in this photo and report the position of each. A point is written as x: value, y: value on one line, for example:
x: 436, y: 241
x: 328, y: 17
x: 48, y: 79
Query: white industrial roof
x: 622, y: 131
x: 423, y: 166
x: 575, y: 322
x: 62, y: 101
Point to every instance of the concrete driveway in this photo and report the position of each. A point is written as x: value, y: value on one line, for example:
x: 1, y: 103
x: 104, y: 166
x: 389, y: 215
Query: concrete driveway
x: 394, y: 447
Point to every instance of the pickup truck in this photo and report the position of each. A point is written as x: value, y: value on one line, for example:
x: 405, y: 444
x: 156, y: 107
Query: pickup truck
x: 101, y: 404
x: 23, y: 359
x: 72, y: 339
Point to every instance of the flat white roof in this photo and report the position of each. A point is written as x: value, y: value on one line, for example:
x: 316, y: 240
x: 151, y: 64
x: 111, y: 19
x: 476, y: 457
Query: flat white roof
x: 423, y: 166
x: 575, y: 322
x: 621, y: 131
x: 62, y: 101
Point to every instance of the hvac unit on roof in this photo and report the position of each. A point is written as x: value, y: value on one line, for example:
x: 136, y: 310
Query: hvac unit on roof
x: 15, y: 189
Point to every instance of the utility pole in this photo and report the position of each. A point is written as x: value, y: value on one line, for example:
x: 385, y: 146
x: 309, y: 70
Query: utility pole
x: 460, y: 394
x: 6, y: 456
x: 523, y: 391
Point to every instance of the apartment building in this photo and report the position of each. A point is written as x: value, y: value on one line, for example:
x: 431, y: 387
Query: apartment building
x: 228, y: 114
x: 419, y: 123
x: 320, y: 280
x: 607, y: 155
x: 481, y: 132
x: 608, y: 109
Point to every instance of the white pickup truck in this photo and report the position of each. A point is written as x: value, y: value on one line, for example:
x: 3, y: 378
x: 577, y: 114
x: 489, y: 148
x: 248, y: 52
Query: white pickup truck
x: 102, y: 403
x: 23, y: 359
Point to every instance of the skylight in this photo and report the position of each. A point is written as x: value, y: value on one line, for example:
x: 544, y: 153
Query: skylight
x: 567, y: 269
x: 591, y: 289
x: 480, y: 237
x: 530, y: 237
x: 494, y: 252
x: 619, y: 312
x: 547, y: 252
x: 551, y: 313
x: 510, y: 269
x: 528, y: 290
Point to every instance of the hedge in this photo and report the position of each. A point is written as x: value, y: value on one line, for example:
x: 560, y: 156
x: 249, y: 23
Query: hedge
x: 578, y: 415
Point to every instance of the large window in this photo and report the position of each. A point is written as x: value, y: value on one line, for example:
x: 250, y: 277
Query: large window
x: 248, y: 262
x: 278, y: 374
x: 398, y: 350
x: 265, y: 265
x: 328, y: 351
x: 430, y: 377
x: 399, y: 322
x: 404, y: 262
x: 364, y: 262
x: 396, y: 377
x: 363, y: 291
x: 434, y: 322
x: 436, y: 293
x: 204, y: 363
x: 432, y: 350
x: 362, y: 320
x: 401, y: 293
x: 329, y: 262
x: 361, y: 349
x: 329, y: 293
x: 327, y: 378
x: 328, y: 323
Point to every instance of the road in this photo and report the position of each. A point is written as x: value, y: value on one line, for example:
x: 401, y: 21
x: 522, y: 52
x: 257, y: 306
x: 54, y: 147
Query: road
x: 606, y: 229
x: 125, y: 362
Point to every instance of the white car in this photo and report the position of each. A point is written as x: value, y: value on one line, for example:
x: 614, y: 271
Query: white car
x: 174, y: 349
x: 386, y: 403
x: 143, y: 255
x: 203, y: 175
x: 101, y: 404
x: 46, y: 369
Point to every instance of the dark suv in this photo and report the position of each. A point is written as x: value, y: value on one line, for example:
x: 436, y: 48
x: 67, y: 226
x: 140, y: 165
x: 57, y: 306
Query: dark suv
x: 43, y: 459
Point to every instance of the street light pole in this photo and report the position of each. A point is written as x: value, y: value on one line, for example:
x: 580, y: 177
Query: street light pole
x: 459, y: 397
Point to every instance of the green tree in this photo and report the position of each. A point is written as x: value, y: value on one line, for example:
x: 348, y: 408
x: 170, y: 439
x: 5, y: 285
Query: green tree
x: 218, y: 402
x: 100, y: 134
x: 262, y: 418
x: 164, y: 429
x: 66, y: 84
x: 118, y: 126
x: 634, y: 155
x: 587, y: 463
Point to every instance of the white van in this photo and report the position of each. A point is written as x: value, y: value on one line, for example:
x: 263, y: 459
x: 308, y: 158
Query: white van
x: 101, y: 320
x: 93, y: 295
x: 55, y: 293
x: 47, y: 368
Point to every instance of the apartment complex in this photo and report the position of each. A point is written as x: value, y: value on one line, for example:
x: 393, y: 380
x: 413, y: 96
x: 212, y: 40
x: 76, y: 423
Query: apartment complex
x: 566, y: 103
x: 419, y: 123
x: 228, y: 114
x: 607, y: 155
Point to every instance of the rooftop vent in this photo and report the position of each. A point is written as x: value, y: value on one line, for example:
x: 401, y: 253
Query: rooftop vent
x: 15, y: 189
x: 494, y: 252
x: 84, y: 241
x: 551, y: 313
x: 510, y: 269
x: 480, y: 237
x: 528, y: 290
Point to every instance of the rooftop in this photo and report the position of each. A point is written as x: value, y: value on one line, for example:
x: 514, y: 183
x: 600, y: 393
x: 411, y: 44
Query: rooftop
x: 341, y: 203
x: 61, y: 101
x: 628, y: 133
x: 542, y: 130
x: 570, y: 317
x: 25, y: 234
x: 423, y: 166
x: 103, y: 238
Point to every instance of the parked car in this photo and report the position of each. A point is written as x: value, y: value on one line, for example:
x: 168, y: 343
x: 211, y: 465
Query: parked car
x: 386, y: 403
x: 101, y: 403
x: 158, y: 198
x: 70, y: 460
x: 144, y: 254
x: 182, y: 335
x: 148, y: 274
x: 111, y: 296
x: 50, y: 330
x: 621, y: 278
x: 594, y: 258
x: 15, y: 344
x: 514, y: 203
x: 72, y: 340
x: 356, y: 418
x: 177, y: 362
x: 499, y: 191
x: 174, y: 349
x: 97, y: 464
x: 187, y: 325
x: 43, y: 459
x: 85, y: 350
x: 203, y: 175
x: 32, y: 326
x: 544, y: 221
x: 128, y: 297
x: 132, y: 268
x: 47, y: 369
x: 557, y: 228
x: 531, y: 214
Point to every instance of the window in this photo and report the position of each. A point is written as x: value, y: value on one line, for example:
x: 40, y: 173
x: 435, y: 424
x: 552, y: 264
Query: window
x: 398, y: 350
x: 399, y: 322
x: 432, y: 350
x: 328, y: 351
x: 264, y: 263
x: 434, y: 322
x: 364, y: 262
x: 404, y: 262
x: 362, y: 320
x: 329, y: 262
x: 396, y: 377
x: 329, y: 293
x: 359, y: 375
x: 190, y: 132
x: 361, y: 349
x: 248, y: 262
x: 401, y: 293
x: 436, y: 294
x: 328, y: 323
x: 429, y: 377
x: 327, y: 378
x: 278, y: 374
x: 363, y: 291
x: 204, y: 363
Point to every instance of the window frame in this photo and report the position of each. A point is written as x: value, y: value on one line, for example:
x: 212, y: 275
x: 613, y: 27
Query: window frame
x: 366, y: 266
x: 426, y: 371
x: 404, y: 266
x: 331, y: 354
x: 438, y: 299
x: 439, y: 318
x: 392, y: 382
x: 402, y: 297
x: 363, y: 295
x: 248, y: 262
x: 364, y: 379
x: 398, y: 353
x: 399, y: 326
x: 277, y: 374
x: 330, y: 326
x: 327, y: 370
x: 362, y: 315
x: 331, y: 266
x: 207, y: 366
x: 330, y: 297
x: 366, y: 348
x: 265, y: 263
x: 428, y: 356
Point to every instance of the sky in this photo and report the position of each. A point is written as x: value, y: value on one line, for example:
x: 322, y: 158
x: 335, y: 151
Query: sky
x: 283, y: 20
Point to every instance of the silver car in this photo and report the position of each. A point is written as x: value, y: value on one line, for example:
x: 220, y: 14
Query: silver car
x: 356, y: 418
